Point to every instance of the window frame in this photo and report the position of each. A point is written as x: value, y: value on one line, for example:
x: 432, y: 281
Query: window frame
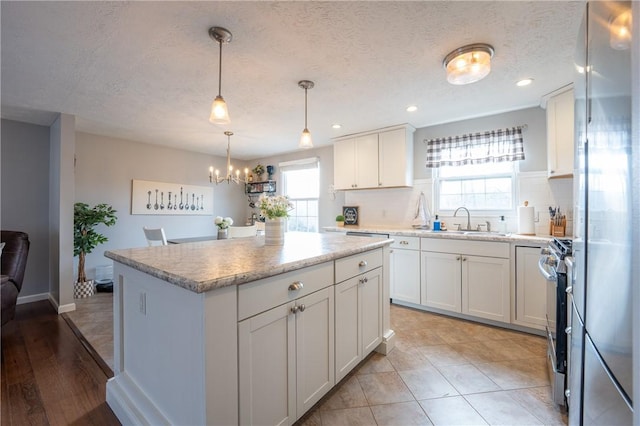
x: 296, y: 165
x: 512, y: 174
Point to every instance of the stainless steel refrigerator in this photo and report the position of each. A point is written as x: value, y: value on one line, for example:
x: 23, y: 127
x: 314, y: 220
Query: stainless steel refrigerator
x: 600, y: 390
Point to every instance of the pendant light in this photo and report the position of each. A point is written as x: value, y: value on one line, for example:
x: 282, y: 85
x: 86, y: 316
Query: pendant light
x: 468, y: 64
x: 305, y: 139
x: 219, y: 111
x: 230, y: 176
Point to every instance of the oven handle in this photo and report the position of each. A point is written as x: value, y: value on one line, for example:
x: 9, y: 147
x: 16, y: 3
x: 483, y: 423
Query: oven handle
x: 541, y: 266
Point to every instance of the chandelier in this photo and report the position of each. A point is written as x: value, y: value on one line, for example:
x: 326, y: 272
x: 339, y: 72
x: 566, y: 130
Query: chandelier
x: 231, y: 176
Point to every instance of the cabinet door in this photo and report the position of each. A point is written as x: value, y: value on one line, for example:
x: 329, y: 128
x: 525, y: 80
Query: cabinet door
x: 367, y: 161
x: 348, y: 347
x: 266, y: 364
x: 344, y: 164
x: 440, y: 283
x: 405, y: 275
x: 560, y: 130
x: 370, y: 295
x: 314, y: 348
x: 531, y: 289
x: 485, y: 287
x: 395, y: 163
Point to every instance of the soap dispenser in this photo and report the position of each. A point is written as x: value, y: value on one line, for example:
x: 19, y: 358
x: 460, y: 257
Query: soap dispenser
x: 436, y: 224
x: 502, y: 225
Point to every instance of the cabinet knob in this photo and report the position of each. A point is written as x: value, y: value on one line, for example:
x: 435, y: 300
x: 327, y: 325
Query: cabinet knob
x: 294, y: 309
x: 301, y: 308
x: 298, y: 285
x: 464, y: 259
x: 404, y: 243
x: 363, y: 280
x: 362, y: 263
x: 458, y: 258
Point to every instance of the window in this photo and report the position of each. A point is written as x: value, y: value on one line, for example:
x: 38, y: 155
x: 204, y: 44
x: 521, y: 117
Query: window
x: 476, y: 171
x: 301, y: 183
x: 487, y: 187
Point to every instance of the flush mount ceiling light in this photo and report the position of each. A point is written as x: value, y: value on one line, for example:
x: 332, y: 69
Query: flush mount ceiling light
x: 230, y: 176
x: 305, y: 139
x: 412, y: 108
x: 219, y: 111
x: 468, y: 64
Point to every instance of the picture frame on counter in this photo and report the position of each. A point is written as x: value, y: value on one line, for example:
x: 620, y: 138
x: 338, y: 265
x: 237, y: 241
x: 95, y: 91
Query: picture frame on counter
x: 176, y: 199
x: 350, y: 214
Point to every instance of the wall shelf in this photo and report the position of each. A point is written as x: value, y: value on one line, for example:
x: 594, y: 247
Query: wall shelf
x: 263, y: 187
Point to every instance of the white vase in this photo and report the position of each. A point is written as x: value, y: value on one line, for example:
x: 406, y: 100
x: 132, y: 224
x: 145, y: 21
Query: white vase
x: 274, y: 231
x: 223, y: 234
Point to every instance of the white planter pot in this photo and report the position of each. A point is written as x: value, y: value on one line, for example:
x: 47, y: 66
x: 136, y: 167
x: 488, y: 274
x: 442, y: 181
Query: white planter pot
x: 274, y: 231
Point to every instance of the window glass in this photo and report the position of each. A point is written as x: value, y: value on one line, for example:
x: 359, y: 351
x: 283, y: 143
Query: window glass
x: 302, y: 186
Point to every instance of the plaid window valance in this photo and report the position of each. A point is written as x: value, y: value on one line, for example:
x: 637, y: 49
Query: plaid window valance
x: 489, y: 147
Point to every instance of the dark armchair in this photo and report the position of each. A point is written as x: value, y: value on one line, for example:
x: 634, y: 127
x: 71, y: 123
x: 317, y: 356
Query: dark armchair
x: 14, y: 263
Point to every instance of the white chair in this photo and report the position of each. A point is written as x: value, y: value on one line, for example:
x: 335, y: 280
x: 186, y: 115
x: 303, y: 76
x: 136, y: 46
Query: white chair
x: 155, y: 236
x: 243, y: 231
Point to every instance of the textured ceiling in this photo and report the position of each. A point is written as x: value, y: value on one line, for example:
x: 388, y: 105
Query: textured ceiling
x: 148, y: 71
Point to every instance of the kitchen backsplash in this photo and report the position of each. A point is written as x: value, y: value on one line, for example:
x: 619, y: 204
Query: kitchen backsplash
x: 396, y: 207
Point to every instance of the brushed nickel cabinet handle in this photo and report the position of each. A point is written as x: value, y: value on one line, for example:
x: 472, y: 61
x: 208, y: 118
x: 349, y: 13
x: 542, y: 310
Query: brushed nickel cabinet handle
x: 294, y: 309
x: 298, y: 285
x: 301, y: 308
x: 362, y: 263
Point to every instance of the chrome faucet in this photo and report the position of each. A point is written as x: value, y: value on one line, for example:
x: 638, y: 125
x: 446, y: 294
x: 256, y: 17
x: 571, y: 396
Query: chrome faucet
x: 468, y: 217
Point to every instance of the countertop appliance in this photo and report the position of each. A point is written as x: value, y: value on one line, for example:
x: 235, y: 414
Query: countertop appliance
x: 553, y: 267
x: 605, y: 220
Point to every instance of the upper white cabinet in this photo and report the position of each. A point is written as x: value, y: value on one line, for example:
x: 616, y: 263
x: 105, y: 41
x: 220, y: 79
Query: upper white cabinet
x: 560, y: 137
x: 377, y: 159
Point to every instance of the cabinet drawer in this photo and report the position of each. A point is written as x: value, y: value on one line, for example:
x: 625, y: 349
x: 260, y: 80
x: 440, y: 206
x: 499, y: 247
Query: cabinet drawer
x: 408, y: 243
x: 261, y: 295
x: 357, y: 264
x: 471, y: 247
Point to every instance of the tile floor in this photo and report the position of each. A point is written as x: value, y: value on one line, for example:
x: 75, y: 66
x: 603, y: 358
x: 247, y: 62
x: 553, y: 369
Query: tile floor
x: 443, y: 371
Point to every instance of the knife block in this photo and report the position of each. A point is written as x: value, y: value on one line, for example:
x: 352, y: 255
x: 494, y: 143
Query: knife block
x: 556, y: 230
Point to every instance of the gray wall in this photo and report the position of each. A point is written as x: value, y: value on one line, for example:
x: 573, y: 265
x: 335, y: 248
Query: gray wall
x: 105, y: 168
x: 330, y: 203
x: 534, y: 137
x: 25, y: 196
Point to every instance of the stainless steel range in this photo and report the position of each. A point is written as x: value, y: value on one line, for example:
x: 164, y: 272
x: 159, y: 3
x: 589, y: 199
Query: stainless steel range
x: 553, y: 268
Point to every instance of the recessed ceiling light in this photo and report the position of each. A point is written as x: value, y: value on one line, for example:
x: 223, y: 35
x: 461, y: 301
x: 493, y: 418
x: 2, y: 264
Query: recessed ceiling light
x: 336, y: 126
x: 412, y: 108
x: 524, y: 82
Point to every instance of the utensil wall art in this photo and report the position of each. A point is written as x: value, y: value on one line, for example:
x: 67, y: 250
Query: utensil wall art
x: 148, y: 198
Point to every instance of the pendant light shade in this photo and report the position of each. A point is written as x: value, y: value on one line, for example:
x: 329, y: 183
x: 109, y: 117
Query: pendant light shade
x: 305, y: 139
x: 219, y: 110
x: 468, y: 64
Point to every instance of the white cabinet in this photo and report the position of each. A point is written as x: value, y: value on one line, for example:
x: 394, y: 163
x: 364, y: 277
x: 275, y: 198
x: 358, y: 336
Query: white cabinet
x: 358, y: 308
x: 535, y: 296
x: 285, y: 354
x: 560, y: 134
x: 405, y: 269
x: 469, y: 277
x: 377, y: 159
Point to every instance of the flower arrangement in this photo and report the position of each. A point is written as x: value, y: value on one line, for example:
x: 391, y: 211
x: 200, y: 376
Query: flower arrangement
x: 223, y: 223
x: 258, y: 170
x: 272, y: 207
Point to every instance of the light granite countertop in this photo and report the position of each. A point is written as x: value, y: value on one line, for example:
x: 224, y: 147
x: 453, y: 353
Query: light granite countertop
x: 479, y: 236
x: 208, y: 265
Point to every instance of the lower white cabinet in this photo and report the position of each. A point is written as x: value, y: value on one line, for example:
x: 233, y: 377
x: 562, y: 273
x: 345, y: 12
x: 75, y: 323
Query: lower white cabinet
x: 456, y: 278
x: 286, y: 359
x: 358, y: 319
x: 535, y: 296
x: 405, y: 269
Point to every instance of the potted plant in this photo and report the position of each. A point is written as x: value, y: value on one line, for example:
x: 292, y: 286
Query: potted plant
x: 259, y: 171
x: 223, y: 224
x: 275, y: 209
x: 339, y: 220
x: 85, y: 239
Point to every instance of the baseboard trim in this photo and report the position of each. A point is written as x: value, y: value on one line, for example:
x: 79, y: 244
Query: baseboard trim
x: 32, y: 298
x: 61, y: 309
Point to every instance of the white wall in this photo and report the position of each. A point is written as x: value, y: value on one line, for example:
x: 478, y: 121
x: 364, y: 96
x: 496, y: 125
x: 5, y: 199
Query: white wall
x: 25, y: 196
x: 104, y: 170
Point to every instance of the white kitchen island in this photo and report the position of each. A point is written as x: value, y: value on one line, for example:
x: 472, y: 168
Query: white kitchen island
x: 235, y: 332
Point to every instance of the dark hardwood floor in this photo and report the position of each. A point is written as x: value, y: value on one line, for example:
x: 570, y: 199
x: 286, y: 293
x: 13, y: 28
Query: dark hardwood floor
x: 48, y: 376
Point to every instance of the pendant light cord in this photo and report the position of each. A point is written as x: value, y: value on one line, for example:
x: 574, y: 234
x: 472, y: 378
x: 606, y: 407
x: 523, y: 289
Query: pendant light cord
x: 305, y: 108
x: 220, y: 70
